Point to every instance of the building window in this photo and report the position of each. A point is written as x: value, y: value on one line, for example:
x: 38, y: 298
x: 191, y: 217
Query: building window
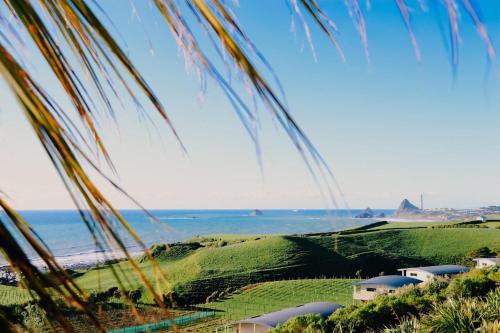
x: 413, y: 274
x: 371, y: 289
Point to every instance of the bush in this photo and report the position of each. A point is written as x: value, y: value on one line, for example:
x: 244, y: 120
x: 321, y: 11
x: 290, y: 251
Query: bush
x: 470, y: 286
x: 494, y: 274
x: 172, y: 300
x: 436, y: 286
x: 374, y: 315
x: 406, y: 325
x: 465, y: 315
x: 482, y: 252
x: 33, y: 318
x: 212, y: 297
x: 310, y: 323
x: 386, y: 311
x: 491, y: 309
x: 135, y: 295
x: 455, y: 315
x: 103, y: 296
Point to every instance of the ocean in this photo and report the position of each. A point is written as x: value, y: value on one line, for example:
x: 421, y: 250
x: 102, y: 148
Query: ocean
x: 68, y: 237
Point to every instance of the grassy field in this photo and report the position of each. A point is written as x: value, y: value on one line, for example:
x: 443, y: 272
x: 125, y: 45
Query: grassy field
x: 272, y: 296
x: 13, y: 295
x: 437, y: 246
x: 492, y: 224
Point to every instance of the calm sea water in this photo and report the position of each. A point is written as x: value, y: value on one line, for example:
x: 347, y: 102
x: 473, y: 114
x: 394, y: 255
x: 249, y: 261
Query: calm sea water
x: 70, y: 241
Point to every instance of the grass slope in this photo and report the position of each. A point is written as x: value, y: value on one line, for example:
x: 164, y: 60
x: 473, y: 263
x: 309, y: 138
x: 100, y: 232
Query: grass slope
x: 211, y: 268
x: 218, y: 262
x: 437, y: 246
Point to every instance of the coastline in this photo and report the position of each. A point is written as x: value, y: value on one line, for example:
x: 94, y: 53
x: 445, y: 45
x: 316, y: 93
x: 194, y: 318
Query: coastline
x: 80, y: 261
x: 414, y: 220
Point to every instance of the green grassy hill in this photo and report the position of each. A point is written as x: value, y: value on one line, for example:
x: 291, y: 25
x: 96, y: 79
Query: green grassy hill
x: 437, y: 246
x: 239, y: 263
x: 198, y: 267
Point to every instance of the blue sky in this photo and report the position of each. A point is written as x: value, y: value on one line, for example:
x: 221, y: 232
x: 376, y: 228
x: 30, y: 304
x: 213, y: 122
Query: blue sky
x: 389, y: 129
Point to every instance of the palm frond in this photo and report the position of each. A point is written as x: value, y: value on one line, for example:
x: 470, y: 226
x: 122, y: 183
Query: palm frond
x: 84, y: 57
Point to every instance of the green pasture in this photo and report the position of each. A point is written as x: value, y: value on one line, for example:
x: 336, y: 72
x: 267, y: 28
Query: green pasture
x: 272, y: 296
x: 13, y: 295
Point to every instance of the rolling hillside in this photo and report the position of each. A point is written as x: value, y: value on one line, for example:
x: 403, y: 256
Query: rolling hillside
x: 199, y: 266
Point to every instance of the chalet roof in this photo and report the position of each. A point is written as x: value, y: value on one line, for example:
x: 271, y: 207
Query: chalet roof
x: 439, y: 270
x: 395, y: 281
x: 273, y: 319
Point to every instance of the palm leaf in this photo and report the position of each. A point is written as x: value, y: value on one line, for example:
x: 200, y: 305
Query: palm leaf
x: 84, y: 57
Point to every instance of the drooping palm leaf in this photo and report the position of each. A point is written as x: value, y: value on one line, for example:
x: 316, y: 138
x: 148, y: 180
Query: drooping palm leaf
x: 84, y: 57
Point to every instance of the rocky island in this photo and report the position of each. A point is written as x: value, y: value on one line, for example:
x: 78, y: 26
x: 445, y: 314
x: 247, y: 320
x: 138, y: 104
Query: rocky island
x: 406, y: 208
x: 368, y: 213
x: 256, y: 212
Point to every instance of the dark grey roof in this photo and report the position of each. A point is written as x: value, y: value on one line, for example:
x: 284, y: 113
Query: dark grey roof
x: 395, y: 281
x: 440, y: 270
x: 273, y: 319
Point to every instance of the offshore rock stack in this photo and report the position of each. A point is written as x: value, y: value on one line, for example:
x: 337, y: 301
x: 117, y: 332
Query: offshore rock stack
x: 407, y: 208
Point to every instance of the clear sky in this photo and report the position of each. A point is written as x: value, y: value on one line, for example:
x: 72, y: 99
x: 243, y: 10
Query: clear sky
x: 389, y: 129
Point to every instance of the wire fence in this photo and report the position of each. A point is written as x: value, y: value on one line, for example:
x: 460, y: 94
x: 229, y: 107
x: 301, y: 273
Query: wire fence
x: 168, y: 324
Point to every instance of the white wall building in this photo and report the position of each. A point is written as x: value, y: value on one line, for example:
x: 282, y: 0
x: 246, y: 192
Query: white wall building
x: 367, y: 290
x: 486, y: 262
x: 430, y: 272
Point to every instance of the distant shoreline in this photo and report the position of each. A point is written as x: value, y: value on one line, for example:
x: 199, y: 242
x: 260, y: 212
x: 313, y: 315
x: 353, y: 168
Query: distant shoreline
x: 409, y: 219
x: 83, y: 260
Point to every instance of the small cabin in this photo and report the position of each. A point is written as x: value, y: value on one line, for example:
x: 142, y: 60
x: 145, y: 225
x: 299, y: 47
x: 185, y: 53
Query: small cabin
x: 267, y: 322
x: 367, y: 290
x: 486, y: 262
x: 428, y: 273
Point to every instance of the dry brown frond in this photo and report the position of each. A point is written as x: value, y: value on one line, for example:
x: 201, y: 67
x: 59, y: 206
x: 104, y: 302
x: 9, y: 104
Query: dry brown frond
x: 71, y: 39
